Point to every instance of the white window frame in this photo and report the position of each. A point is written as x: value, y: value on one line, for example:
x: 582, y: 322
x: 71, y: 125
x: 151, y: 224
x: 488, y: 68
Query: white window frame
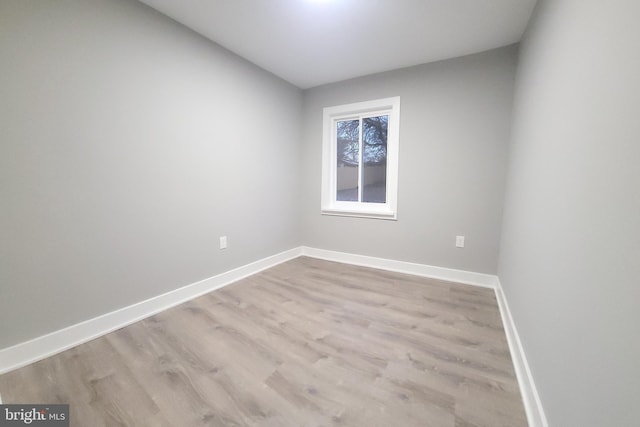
x: 331, y: 115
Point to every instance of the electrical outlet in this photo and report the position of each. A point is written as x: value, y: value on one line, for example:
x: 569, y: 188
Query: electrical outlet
x: 459, y: 241
x: 223, y: 242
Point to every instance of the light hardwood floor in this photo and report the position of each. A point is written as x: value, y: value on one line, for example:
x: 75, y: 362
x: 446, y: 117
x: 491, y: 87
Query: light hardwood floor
x: 306, y: 343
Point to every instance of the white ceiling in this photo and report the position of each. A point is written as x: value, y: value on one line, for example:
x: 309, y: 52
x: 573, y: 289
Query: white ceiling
x: 312, y: 42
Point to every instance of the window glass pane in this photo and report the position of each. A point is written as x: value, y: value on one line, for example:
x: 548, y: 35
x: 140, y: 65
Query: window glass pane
x: 374, y: 159
x: 348, y: 158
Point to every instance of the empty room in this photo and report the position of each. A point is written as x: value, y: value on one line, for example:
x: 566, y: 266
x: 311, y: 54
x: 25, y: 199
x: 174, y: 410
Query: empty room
x: 320, y: 213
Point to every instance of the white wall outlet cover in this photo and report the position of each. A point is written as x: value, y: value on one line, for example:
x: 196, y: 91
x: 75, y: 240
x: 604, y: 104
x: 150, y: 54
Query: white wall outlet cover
x: 459, y: 241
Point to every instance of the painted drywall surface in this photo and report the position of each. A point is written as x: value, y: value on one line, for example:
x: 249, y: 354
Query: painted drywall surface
x: 454, y: 128
x: 128, y: 145
x: 570, y: 252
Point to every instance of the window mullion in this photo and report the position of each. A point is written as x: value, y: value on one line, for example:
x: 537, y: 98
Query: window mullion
x: 360, y: 158
x: 334, y: 156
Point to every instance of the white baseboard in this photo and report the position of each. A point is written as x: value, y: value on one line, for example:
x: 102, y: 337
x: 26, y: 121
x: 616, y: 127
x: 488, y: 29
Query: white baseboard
x: 528, y: 390
x: 440, y: 273
x: 47, y: 345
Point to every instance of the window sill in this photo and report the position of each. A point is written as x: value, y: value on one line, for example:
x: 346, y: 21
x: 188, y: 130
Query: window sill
x: 389, y: 215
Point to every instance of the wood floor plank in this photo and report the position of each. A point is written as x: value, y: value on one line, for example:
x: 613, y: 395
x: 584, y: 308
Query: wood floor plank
x: 306, y: 343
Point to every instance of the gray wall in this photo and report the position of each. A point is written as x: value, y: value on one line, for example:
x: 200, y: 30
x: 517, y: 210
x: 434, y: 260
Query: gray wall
x: 128, y: 145
x: 454, y: 129
x: 570, y: 253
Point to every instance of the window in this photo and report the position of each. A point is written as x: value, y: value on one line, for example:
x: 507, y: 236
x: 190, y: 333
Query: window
x: 360, y: 159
